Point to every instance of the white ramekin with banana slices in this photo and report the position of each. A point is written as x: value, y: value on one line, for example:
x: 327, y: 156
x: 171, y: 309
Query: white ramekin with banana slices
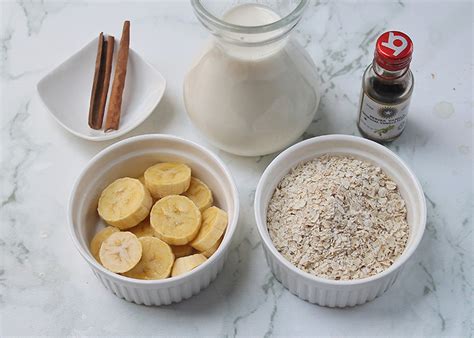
x: 132, y: 252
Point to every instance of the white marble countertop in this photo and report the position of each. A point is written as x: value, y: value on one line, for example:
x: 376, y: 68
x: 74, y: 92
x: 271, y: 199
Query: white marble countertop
x: 47, y: 289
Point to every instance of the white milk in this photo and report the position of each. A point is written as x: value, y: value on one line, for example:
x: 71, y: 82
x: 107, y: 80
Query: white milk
x: 250, y: 15
x: 252, y: 100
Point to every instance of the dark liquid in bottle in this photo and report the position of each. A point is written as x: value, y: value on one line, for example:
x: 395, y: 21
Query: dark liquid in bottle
x: 389, y: 91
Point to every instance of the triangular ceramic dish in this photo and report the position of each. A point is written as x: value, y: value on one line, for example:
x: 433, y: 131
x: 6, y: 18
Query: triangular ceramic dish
x: 66, y: 91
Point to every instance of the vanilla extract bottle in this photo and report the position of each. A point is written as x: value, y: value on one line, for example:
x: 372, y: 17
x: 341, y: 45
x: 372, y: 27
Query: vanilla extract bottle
x: 387, y: 87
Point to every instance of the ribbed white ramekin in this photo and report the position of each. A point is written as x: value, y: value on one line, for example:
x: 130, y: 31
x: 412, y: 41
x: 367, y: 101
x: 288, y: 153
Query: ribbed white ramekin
x: 323, y: 291
x: 131, y: 157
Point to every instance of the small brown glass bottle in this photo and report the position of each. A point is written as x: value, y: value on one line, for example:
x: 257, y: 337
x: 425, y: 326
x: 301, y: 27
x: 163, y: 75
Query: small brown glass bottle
x: 387, y: 86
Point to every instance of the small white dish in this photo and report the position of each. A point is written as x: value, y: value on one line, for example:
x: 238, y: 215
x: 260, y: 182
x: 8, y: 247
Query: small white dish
x: 66, y: 92
x: 339, y: 293
x: 130, y: 157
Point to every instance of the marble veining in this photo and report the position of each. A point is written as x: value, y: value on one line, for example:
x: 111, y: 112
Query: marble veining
x: 47, y: 289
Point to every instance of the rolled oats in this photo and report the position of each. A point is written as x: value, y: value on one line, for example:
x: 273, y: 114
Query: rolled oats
x: 338, y: 217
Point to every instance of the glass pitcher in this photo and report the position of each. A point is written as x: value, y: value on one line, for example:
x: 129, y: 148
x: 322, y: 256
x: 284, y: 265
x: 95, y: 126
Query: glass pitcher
x: 253, y: 90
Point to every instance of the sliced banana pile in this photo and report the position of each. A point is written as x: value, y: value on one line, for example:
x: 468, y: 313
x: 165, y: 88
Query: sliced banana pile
x: 143, y: 229
x: 185, y: 264
x: 99, y: 238
x: 176, y: 219
x: 120, y: 252
x: 161, y: 225
x: 165, y: 179
x: 124, y: 203
x: 199, y: 193
x: 214, y: 222
x: 182, y: 250
x: 156, y: 262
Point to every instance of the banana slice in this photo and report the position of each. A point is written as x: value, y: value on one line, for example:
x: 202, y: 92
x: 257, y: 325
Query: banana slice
x: 199, y: 193
x: 186, y: 264
x: 124, y: 203
x: 142, y: 180
x: 214, y: 223
x: 156, y: 262
x: 143, y: 229
x: 99, y: 238
x: 165, y: 179
x: 176, y: 219
x: 209, y: 252
x: 120, y: 252
x: 182, y: 250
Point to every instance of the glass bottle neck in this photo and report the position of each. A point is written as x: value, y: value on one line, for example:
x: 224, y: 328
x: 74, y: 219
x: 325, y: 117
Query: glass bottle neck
x: 388, y: 74
x: 252, y: 30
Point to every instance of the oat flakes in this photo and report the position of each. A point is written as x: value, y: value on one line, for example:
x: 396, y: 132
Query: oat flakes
x: 338, y: 217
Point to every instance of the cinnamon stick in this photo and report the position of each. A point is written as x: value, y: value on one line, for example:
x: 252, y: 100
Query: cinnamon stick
x: 115, y: 103
x: 109, y: 56
x: 94, y: 122
x: 100, y: 86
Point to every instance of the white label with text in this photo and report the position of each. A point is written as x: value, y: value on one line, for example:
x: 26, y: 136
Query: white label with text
x: 382, y: 121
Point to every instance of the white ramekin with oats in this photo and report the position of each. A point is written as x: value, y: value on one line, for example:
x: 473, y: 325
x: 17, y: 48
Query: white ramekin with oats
x: 338, y: 216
